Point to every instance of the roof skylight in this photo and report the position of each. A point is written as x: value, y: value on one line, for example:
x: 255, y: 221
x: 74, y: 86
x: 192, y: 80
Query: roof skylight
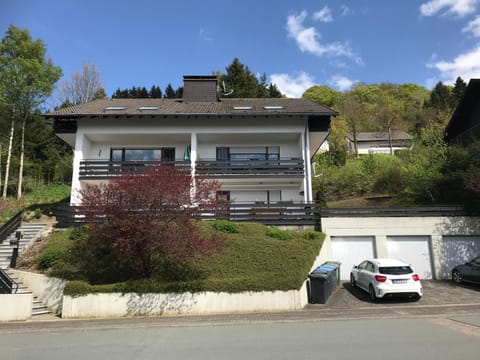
x: 113, y: 108
x: 242, y: 108
x: 149, y: 108
x: 273, y: 107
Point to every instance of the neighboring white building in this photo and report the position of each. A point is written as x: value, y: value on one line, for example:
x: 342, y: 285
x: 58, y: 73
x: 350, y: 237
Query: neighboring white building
x: 258, y: 149
x: 379, y: 142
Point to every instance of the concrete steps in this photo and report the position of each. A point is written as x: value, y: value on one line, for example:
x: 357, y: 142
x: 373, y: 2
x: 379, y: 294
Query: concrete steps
x: 29, y: 233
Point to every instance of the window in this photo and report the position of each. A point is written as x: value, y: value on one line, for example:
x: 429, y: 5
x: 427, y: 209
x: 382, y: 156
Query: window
x: 248, y: 153
x: 370, y: 267
x: 395, y: 270
x: 223, y: 195
x: 156, y: 154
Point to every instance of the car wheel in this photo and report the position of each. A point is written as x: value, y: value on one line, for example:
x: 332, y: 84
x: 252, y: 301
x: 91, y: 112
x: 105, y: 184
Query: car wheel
x: 352, y: 281
x: 371, y: 294
x: 456, y: 276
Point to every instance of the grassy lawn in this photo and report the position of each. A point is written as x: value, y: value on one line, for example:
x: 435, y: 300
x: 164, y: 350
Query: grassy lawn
x: 39, y: 199
x: 250, y: 261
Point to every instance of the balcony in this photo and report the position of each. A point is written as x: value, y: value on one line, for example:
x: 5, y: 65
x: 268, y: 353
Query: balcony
x: 251, y: 168
x: 281, y: 213
x: 287, y: 168
x: 106, y: 169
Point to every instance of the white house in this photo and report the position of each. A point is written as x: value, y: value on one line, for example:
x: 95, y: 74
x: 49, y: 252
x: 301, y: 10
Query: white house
x: 379, y: 142
x: 258, y: 149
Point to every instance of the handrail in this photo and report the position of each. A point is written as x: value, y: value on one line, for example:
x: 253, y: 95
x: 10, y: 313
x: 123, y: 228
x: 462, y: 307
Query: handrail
x: 10, y: 226
x: 7, y: 284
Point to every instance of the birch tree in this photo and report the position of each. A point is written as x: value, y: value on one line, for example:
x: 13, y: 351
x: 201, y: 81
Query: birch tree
x: 27, y: 78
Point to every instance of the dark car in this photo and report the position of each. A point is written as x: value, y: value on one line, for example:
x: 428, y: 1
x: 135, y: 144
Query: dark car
x: 468, y: 272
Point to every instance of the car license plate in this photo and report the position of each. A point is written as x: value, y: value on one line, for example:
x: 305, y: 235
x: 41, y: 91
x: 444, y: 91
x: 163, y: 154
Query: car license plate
x: 399, y: 281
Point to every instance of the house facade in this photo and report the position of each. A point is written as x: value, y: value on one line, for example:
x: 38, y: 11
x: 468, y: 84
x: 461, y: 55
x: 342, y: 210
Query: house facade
x: 258, y: 149
x: 379, y: 142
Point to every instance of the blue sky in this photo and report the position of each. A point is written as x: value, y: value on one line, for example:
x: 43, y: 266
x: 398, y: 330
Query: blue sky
x: 296, y: 43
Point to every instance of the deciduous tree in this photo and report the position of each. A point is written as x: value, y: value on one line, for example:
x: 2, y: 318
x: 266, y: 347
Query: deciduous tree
x: 145, y: 221
x: 84, y: 86
x: 27, y: 78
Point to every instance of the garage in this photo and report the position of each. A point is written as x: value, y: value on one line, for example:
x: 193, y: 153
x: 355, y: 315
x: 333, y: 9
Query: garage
x: 350, y: 251
x: 414, y: 250
x: 459, y: 250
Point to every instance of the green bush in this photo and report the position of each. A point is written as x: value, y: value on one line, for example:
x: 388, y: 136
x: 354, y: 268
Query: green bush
x: 225, y: 226
x: 313, y: 235
x: 276, y: 233
x: 37, y: 213
x: 49, y: 257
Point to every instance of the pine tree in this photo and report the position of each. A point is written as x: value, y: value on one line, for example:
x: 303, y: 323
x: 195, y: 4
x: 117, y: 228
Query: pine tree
x: 458, y: 89
x: 170, y: 92
x: 155, y: 92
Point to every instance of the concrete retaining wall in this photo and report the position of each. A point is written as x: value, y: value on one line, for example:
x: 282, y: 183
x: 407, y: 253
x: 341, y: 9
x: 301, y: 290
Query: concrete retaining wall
x: 119, y: 305
x: 48, y: 289
x: 15, y: 307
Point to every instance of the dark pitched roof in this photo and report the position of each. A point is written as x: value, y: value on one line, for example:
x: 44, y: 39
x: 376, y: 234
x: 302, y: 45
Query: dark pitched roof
x: 260, y: 106
x: 380, y: 136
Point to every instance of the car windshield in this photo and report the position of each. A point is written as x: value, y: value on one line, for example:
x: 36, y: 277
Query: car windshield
x: 395, y: 270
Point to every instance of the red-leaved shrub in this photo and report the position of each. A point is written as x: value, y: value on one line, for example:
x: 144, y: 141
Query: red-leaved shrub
x: 146, y: 222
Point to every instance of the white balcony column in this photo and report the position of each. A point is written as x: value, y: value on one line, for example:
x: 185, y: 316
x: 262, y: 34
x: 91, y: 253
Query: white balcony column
x: 193, y: 160
x: 307, y: 180
x: 77, y: 157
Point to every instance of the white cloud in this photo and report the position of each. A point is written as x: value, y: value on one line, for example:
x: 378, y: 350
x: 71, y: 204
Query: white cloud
x: 308, y: 40
x: 473, y: 27
x: 345, y: 10
x: 323, y: 15
x: 204, y: 35
x: 466, y: 65
x: 292, y: 86
x: 454, y: 7
x: 340, y: 82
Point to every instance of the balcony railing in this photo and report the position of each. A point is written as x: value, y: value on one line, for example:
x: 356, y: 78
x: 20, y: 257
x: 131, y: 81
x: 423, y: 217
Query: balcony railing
x: 234, y: 168
x: 104, y: 169
x: 279, y: 213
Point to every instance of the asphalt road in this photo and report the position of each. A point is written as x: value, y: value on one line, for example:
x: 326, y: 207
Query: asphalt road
x: 444, y: 324
x: 425, y: 338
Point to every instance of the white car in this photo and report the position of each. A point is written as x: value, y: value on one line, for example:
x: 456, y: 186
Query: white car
x: 386, y: 277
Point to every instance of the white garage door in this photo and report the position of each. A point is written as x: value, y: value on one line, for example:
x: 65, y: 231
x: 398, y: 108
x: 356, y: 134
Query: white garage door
x: 350, y: 251
x: 459, y: 250
x: 414, y: 250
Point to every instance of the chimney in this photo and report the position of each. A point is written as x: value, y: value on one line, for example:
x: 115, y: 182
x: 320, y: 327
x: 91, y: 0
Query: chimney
x: 200, y: 88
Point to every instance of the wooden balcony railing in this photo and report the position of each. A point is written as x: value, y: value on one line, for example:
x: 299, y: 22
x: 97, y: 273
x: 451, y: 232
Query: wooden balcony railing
x: 104, y: 169
x: 233, y: 168
x: 279, y: 213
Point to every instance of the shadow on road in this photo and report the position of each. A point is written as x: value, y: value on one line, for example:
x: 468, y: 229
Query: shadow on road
x: 362, y: 296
